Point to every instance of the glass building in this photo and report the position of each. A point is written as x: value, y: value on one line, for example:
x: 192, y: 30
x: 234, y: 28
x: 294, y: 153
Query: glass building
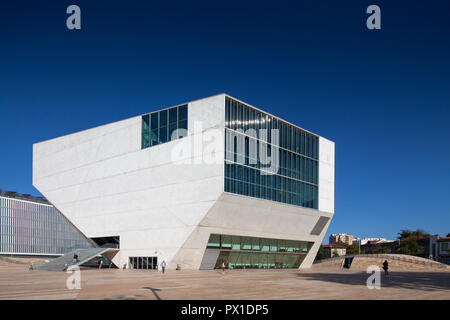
x: 32, y: 226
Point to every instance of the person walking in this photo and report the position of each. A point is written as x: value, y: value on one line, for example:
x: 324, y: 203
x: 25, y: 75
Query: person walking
x: 75, y: 259
x: 386, y: 267
x: 100, y: 263
x: 223, y: 267
x: 163, y: 266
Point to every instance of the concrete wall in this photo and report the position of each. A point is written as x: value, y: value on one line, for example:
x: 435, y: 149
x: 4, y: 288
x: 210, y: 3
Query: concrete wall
x: 326, y: 175
x: 246, y: 216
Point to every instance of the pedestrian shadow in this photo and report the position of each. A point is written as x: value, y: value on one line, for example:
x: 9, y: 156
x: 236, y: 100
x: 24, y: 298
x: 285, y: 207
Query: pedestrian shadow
x: 154, y: 291
x: 396, y: 279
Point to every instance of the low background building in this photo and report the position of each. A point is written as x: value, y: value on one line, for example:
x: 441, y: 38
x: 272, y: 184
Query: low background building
x: 380, y: 246
x: 341, y: 237
x: 364, y: 241
x: 31, y: 226
x: 440, y: 248
x: 334, y: 250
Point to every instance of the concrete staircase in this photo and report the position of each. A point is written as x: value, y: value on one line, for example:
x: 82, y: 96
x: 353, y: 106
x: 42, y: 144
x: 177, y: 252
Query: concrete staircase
x: 63, y: 262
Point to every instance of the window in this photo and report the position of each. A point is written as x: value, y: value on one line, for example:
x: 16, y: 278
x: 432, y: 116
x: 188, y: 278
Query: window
x: 145, y: 132
x: 214, y: 241
x: 240, y: 252
x: 296, y: 177
x: 164, y: 126
x: 226, y: 242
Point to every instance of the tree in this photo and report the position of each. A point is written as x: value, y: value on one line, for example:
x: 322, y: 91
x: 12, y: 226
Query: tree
x: 352, y: 249
x: 342, y: 244
x: 335, y: 253
x: 377, y: 249
x: 448, y: 235
x: 418, y: 233
x: 411, y: 240
x: 322, y: 253
x: 411, y: 247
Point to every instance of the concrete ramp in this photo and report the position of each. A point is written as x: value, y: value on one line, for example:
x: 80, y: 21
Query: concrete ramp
x: 396, y: 262
x: 63, y: 262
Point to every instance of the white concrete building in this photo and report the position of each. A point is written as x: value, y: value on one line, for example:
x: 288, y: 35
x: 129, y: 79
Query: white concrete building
x: 210, y: 181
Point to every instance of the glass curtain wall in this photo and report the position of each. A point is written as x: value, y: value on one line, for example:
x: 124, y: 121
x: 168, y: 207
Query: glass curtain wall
x: 34, y: 228
x: 239, y: 252
x: 159, y: 126
x: 268, y: 158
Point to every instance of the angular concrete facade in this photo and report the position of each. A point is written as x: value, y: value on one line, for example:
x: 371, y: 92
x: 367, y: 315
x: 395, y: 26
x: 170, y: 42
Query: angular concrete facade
x: 168, y: 199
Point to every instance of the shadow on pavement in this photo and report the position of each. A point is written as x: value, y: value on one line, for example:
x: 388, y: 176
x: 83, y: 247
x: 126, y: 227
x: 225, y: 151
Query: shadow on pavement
x: 408, y: 280
x: 154, y: 290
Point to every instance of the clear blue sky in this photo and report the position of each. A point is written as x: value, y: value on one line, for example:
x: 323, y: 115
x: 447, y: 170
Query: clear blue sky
x: 382, y: 96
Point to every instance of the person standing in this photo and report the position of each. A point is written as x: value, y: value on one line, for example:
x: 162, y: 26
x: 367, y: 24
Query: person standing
x: 163, y: 266
x: 386, y: 267
x: 223, y: 267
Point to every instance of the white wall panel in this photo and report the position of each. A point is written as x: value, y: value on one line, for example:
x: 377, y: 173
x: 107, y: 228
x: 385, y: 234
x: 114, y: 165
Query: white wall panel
x: 326, y: 175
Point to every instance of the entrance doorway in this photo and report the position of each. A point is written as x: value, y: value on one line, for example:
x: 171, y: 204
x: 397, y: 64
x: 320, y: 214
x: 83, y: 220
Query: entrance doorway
x: 146, y: 263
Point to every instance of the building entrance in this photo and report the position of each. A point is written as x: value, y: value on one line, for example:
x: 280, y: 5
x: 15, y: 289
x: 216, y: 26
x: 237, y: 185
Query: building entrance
x: 147, y: 263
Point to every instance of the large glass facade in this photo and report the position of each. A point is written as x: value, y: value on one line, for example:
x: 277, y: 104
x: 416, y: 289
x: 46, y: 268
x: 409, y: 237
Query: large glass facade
x: 239, y: 252
x: 162, y: 126
x: 268, y: 158
x: 36, y: 228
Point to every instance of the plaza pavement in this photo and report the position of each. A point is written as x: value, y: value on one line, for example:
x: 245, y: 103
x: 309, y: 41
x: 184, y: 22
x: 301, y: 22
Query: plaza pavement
x: 17, y: 282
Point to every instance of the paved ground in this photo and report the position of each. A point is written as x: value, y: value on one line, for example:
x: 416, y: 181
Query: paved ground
x: 17, y: 282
